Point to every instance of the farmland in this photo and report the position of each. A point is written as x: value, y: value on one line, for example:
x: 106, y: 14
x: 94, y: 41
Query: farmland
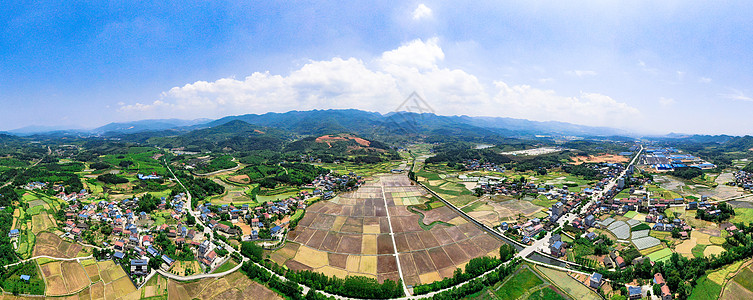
x: 349, y: 235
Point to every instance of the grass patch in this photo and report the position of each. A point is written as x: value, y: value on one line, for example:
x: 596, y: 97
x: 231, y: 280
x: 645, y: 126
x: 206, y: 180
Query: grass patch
x: 745, y: 278
x: 641, y: 226
x: 472, y: 207
x: 705, y: 289
x: 226, y: 266
x: 631, y: 214
x: 545, y: 294
x: 44, y: 260
x: 743, y: 215
x: 660, y: 255
x: 518, y: 285
x: 698, y: 250
x: 542, y: 201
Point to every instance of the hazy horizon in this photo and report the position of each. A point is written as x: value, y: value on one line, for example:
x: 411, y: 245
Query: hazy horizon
x: 644, y: 67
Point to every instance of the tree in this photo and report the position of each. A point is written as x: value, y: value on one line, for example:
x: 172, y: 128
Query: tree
x: 506, y: 252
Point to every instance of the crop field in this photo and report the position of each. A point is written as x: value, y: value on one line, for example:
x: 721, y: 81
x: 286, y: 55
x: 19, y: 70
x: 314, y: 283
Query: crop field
x: 231, y: 287
x: 349, y: 235
x: 740, y: 286
x: 519, y: 284
x: 64, y: 278
x: 52, y: 245
x: 660, y: 255
x: 567, y: 284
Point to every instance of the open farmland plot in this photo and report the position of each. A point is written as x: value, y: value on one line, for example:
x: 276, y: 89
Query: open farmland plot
x: 349, y: 235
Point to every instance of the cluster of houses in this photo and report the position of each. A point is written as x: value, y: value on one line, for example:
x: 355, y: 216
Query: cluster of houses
x: 133, y: 231
x: 476, y: 165
x: 744, y: 180
x: 664, y: 224
x: 326, y: 185
x: 255, y: 217
x: 35, y: 185
x: 634, y: 292
x: 68, y: 197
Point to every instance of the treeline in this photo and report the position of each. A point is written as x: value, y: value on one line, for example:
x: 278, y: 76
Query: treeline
x: 351, y: 286
x: 461, y: 152
x: 540, y: 162
x: 12, y: 282
x: 147, y: 203
x: 682, y: 273
x: 7, y: 196
x: 474, y: 268
x: 111, y: 179
x: 216, y: 164
x: 200, y: 188
x: 54, y: 174
x: 583, y: 170
x: 687, y: 173
x: 725, y: 212
x: 7, y: 253
x: 269, y: 176
x: 478, y: 284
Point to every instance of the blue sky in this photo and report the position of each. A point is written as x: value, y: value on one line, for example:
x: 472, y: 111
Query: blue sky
x: 673, y: 66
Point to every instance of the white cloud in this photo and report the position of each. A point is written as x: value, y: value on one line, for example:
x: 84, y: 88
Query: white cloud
x: 666, y: 101
x: 422, y: 12
x: 704, y: 80
x: 581, y: 73
x: 737, y: 95
x: 381, y: 85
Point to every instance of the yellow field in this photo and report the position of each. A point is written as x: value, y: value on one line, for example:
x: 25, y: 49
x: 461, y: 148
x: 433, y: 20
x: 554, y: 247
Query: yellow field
x: 721, y: 276
x: 332, y: 271
x: 55, y: 286
x: 369, y: 244
x: 713, y: 250
x: 429, y: 277
x: 352, y: 263
x: 123, y: 286
x: 373, y: 229
x: 368, y: 265
x: 339, y: 221
x: 312, y: 257
x: 75, y: 276
x: 97, y: 291
x: 51, y: 269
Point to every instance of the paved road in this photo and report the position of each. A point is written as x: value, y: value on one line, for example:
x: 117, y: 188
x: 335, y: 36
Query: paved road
x: 50, y: 257
x: 392, y: 236
x: 238, y: 166
x: 200, y: 276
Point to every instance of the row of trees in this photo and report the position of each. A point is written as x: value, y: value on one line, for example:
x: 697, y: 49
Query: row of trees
x: 725, y: 212
x: 687, y: 173
x: 351, y: 286
x: 200, y: 188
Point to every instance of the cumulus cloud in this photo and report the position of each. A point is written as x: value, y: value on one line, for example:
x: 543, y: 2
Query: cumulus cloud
x: 666, y: 101
x: 381, y: 84
x: 581, y: 73
x: 422, y: 12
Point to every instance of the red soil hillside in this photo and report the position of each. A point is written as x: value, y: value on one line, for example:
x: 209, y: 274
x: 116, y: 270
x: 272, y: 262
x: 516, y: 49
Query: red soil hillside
x: 328, y: 139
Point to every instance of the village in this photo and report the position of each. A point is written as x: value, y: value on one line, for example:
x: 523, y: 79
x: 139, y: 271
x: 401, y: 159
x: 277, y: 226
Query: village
x: 145, y: 240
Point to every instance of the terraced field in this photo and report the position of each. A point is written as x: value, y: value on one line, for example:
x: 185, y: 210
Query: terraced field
x: 349, y: 235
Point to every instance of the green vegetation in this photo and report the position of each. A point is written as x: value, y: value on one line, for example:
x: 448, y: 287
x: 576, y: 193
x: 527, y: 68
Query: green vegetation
x: 519, y: 284
x: 546, y: 294
x: 641, y: 226
x: 220, y: 163
x: 745, y: 278
x: 269, y: 176
x: 705, y: 289
x: 111, y: 179
x: 12, y: 282
x: 687, y: 173
x: 698, y: 250
x: 13, y: 162
x: 726, y: 211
